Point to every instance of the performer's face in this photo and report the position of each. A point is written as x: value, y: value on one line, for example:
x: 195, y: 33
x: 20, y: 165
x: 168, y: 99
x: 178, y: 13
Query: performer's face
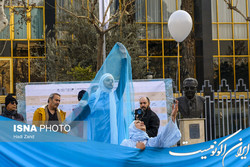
x: 190, y: 89
x: 108, y: 82
x: 144, y: 104
x: 140, y: 125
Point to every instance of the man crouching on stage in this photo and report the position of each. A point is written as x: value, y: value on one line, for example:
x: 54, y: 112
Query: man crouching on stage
x: 138, y: 137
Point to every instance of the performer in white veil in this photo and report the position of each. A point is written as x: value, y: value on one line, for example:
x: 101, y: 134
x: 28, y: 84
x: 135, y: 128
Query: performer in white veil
x: 111, y: 106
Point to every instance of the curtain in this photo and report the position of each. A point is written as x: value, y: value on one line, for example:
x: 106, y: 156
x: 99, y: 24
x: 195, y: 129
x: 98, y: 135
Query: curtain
x: 140, y: 10
x: 20, y: 26
x: 169, y: 6
x: 37, y: 2
x: 60, y: 14
x: 240, y: 30
x: 225, y: 15
x: 17, y: 2
x: 37, y: 23
x: 154, y: 15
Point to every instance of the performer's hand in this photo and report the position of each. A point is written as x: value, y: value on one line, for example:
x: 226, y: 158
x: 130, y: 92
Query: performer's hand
x: 122, y: 49
x: 140, y: 145
x: 174, y: 110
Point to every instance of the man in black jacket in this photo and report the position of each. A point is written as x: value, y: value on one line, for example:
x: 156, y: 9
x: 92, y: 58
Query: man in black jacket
x: 150, y: 119
x: 10, y: 110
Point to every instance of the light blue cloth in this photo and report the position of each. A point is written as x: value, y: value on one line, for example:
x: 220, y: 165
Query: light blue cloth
x: 58, y: 149
x: 110, y: 108
x: 103, y: 102
x: 169, y: 136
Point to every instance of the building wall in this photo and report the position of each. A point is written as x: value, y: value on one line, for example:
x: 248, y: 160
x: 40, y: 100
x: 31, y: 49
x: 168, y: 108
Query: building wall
x: 22, y: 43
x: 230, y: 40
x: 160, y: 49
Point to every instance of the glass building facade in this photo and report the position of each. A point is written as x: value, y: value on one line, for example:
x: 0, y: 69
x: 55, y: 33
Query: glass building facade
x: 229, y: 43
x: 23, y: 46
x: 230, y: 34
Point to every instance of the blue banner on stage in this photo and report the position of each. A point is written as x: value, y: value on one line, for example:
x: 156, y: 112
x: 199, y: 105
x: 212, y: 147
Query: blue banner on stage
x: 232, y: 150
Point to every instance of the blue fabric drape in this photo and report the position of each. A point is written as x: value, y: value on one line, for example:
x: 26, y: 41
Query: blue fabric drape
x: 110, y: 108
x: 93, y: 153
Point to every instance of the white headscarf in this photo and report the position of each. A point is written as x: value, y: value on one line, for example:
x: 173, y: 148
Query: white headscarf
x: 137, y: 134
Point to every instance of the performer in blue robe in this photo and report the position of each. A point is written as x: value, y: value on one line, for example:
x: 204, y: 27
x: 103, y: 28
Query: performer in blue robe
x: 138, y: 137
x: 111, y: 105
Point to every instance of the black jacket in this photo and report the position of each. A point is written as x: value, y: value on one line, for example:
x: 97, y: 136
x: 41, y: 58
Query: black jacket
x: 12, y: 115
x: 151, y: 120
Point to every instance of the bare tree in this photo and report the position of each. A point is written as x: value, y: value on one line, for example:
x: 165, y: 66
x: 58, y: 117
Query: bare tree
x: 3, y: 19
x: 68, y: 56
x: 115, y: 20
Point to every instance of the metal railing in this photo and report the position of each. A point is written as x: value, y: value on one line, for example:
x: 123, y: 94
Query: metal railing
x: 226, y: 111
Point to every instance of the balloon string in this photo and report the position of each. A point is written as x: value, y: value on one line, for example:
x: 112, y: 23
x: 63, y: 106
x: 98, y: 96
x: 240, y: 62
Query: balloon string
x: 176, y: 76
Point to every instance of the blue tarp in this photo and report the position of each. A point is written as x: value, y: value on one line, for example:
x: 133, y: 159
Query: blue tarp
x: 231, y: 150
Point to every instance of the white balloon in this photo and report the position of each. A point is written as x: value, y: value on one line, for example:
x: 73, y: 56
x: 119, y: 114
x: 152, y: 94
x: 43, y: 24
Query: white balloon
x: 179, y: 25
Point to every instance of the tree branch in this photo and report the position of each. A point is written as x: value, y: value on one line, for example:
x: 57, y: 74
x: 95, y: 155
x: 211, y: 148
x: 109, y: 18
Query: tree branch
x: 110, y: 28
x: 73, y: 14
x: 94, y: 18
x: 230, y: 6
x: 124, y: 10
x: 3, y: 19
x: 24, y: 4
x: 108, y: 8
x: 112, y: 17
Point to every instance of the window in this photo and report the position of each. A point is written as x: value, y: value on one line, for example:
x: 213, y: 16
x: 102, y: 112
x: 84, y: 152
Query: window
x: 5, y: 34
x: 153, y: 16
x: 22, y: 49
x: 20, y: 24
x: 5, y: 73
x: 37, y: 23
x: 231, y: 31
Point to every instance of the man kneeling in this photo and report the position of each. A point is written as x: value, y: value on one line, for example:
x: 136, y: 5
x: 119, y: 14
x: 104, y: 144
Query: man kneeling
x: 138, y: 137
